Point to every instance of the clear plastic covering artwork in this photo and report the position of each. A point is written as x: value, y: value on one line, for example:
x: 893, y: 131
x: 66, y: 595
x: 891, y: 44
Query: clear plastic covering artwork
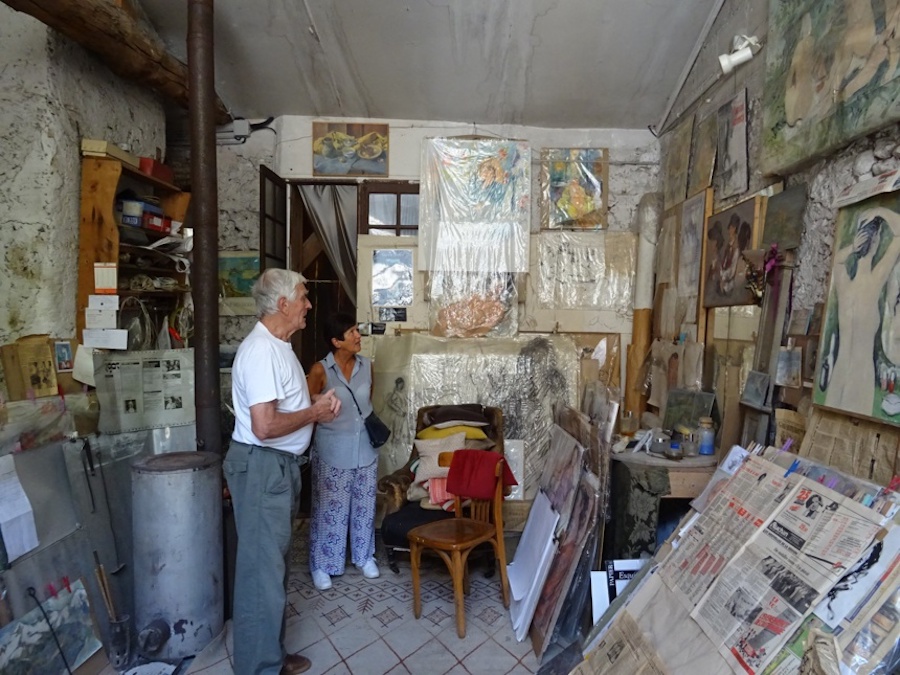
x: 587, y: 270
x: 525, y: 378
x: 474, y: 220
x: 574, y: 185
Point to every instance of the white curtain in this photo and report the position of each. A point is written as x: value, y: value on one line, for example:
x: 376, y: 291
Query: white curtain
x: 333, y: 212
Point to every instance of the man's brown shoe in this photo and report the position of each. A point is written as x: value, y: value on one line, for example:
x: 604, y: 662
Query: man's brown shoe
x: 294, y: 664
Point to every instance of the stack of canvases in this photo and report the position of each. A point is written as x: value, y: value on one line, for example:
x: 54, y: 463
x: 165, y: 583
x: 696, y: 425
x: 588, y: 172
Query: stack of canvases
x: 788, y: 560
x: 562, y: 520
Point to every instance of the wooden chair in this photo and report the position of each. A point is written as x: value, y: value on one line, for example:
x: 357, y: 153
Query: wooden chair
x: 453, y: 540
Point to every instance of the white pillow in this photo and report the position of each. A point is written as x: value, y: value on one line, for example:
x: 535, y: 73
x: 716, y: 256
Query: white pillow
x: 428, y: 455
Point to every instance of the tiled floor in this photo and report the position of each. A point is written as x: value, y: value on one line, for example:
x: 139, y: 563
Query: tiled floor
x: 367, y: 627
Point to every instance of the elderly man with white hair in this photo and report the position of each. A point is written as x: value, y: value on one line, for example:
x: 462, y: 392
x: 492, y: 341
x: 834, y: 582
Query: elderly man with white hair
x: 274, y: 419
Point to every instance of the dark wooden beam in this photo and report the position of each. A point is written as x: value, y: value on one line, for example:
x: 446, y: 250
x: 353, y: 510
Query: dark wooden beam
x: 112, y: 33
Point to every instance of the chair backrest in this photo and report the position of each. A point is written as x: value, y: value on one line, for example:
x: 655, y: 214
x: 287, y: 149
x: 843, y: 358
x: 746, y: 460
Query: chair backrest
x: 484, y: 510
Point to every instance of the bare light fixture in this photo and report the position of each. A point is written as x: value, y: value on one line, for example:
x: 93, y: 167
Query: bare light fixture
x: 742, y: 50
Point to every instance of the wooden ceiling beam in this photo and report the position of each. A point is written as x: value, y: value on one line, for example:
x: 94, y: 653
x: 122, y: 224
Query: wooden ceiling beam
x: 112, y: 33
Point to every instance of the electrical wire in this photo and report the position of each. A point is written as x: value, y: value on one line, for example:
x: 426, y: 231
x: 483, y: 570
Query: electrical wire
x: 62, y: 654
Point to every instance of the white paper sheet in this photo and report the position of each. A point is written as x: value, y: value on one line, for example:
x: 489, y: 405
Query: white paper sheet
x: 83, y: 370
x: 531, y: 564
x: 16, y: 515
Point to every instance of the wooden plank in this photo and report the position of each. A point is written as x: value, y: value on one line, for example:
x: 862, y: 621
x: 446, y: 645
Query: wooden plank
x: 688, y: 484
x: 112, y: 33
x: 98, y: 233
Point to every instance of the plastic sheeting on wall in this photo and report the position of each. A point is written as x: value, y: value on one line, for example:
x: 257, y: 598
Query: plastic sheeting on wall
x: 587, y: 270
x: 474, y: 220
x: 525, y: 377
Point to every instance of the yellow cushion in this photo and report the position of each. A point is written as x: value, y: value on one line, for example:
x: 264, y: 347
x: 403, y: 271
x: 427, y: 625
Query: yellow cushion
x: 475, y: 433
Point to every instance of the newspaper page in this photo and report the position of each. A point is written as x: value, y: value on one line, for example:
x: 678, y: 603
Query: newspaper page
x: 763, y: 593
x: 623, y: 651
x: 145, y: 390
x: 742, y: 507
x: 789, y: 425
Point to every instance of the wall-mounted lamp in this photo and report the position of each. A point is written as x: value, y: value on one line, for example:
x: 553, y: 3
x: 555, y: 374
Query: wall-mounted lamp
x: 742, y: 50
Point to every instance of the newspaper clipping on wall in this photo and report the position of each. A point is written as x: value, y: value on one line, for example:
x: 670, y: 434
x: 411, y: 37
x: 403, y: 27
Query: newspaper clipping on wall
x: 145, y: 390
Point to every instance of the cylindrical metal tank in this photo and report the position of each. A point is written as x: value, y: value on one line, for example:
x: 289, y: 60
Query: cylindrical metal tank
x: 178, y: 582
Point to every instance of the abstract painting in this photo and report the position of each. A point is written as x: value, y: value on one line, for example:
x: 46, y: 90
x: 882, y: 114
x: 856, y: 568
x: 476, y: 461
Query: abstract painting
x: 831, y: 77
x: 731, y: 172
x: 350, y: 149
x: 859, y: 352
x: 574, y: 186
x: 675, y: 169
x: 728, y: 234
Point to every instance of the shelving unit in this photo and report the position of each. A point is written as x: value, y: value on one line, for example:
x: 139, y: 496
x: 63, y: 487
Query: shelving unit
x: 102, y: 239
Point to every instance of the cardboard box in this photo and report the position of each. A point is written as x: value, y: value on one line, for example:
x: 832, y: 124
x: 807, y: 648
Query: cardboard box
x: 103, y: 302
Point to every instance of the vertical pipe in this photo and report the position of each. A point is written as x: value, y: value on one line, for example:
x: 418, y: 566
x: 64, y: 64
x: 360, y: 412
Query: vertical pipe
x: 204, y: 216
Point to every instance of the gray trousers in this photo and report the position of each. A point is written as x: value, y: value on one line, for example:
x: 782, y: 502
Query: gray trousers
x: 265, y: 491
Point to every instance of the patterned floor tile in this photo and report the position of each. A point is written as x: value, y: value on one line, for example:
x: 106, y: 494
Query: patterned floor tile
x: 407, y: 638
x: 432, y: 657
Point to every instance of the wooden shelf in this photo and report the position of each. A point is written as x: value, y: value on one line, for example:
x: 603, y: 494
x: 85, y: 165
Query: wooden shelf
x: 137, y: 174
x: 102, y: 239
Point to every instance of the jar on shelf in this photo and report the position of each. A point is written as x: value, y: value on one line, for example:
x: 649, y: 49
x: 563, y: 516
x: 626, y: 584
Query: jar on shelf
x: 707, y: 436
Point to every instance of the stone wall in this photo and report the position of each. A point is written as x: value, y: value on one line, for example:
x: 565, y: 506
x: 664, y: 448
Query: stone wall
x: 53, y: 94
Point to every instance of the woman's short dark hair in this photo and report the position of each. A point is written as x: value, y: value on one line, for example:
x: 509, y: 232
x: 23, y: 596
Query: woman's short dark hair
x: 335, y: 325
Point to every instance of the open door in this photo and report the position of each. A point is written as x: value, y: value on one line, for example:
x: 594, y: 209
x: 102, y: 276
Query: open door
x: 273, y: 223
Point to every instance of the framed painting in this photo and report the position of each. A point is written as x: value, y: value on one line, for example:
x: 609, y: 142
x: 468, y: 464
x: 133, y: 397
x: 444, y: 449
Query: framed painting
x: 859, y: 353
x: 831, y: 77
x: 238, y: 271
x: 728, y: 235
x: 350, y: 149
x: 574, y: 188
x: 732, y: 175
x: 675, y: 169
x: 703, y: 155
x: 784, y: 218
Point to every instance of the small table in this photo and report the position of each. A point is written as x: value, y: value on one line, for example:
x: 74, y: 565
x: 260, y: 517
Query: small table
x: 639, y: 483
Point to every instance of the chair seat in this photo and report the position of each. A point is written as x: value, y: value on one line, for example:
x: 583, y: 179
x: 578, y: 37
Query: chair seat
x: 452, y: 533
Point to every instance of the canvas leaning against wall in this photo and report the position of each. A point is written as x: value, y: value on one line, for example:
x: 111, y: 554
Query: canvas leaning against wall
x: 831, y: 77
x: 859, y: 352
x: 728, y: 235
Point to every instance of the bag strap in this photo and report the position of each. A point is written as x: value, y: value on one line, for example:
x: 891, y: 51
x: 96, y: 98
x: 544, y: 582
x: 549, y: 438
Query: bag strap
x: 351, y: 393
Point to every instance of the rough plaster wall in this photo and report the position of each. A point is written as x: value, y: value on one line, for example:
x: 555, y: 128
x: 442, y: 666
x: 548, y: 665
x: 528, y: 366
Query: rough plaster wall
x: 53, y: 93
x: 238, y: 172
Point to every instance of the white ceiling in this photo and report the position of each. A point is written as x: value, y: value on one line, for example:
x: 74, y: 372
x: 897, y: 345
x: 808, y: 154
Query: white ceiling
x: 548, y: 63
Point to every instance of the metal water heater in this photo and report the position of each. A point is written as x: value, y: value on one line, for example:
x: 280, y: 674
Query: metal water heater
x: 178, y: 577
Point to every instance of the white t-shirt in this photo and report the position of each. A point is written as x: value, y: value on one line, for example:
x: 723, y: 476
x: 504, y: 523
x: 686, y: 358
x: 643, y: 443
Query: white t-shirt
x: 266, y: 369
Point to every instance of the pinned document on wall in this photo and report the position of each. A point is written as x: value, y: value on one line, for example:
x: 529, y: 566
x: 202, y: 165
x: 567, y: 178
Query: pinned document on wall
x: 16, y: 515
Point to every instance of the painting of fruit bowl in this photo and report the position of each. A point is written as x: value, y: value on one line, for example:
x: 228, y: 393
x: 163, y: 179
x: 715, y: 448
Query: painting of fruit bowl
x: 350, y: 149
